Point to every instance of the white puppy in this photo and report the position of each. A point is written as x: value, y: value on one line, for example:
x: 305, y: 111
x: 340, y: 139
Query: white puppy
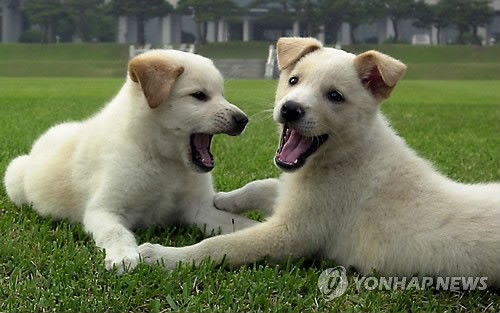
x: 355, y: 191
x: 142, y: 160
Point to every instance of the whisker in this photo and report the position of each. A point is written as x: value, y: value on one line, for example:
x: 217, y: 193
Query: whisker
x: 260, y: 115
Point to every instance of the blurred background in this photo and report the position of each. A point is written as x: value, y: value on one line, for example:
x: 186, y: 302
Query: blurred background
x: 160, y: 22
x: 445, y: 39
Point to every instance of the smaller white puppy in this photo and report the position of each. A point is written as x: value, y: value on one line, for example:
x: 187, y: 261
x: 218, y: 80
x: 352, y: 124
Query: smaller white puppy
x: 354, y: 191
x: 142, y: 160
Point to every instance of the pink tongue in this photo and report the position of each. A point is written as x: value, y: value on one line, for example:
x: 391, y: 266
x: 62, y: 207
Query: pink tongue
x: 202, y: 143
x: 295, y: 146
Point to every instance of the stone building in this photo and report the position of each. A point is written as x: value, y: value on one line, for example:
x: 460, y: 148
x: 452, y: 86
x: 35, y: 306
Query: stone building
x: 172, y: 28
x: 175, y: 28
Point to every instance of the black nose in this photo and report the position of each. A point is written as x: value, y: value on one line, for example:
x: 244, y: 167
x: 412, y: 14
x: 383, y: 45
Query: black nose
x: 292, y: 111
x: 240, y: 119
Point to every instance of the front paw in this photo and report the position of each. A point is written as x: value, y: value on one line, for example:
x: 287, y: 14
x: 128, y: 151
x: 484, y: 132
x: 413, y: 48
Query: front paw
x: 121, y: 261
x: 226, y: 201
x: 158, y: 254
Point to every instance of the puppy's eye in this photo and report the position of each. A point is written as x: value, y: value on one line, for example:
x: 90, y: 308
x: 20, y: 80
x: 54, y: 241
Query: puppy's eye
x: 335, y: 96
x: 293, y: 80
x: 200, y: 95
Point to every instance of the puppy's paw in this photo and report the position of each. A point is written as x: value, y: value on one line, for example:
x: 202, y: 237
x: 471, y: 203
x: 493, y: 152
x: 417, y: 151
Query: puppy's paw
x: 158, y: 254
x: 227, y: 201
x: 122, y: 260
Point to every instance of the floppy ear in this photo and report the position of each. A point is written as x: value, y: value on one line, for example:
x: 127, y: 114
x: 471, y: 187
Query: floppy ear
x: 379, y: 72
x: 155, y: 75
x: 290, y: 49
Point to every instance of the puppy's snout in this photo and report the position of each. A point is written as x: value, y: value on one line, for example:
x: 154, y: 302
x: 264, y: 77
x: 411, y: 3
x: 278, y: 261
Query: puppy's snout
x: 240, y: 120
x: 292, y: 111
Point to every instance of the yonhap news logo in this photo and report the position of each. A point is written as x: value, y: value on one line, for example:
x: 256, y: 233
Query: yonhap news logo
x: 333, y: 283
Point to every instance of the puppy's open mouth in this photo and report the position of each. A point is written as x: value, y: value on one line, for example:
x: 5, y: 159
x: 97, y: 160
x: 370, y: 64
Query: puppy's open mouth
x: 294, y: 148
x: 200, y: 152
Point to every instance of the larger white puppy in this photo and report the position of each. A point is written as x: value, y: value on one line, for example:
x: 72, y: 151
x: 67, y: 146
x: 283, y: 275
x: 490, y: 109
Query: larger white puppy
x: 356, y: 192
x: 142, y: 160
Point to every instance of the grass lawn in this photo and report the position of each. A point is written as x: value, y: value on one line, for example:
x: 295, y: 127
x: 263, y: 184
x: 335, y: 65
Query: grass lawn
x: 63, y: 60
x: 109, y: 60
x: 53, y: 266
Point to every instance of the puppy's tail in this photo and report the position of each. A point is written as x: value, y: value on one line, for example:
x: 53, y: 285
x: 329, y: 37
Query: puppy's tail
x: 14, y: 180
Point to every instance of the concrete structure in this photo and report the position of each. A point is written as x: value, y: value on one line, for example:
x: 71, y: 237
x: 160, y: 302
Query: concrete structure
x: 247, y: 30
x: 241, y: 69
x: 175, y: 29
x: 11, y: 20
x: 222, y: 33
x: 162, y: 30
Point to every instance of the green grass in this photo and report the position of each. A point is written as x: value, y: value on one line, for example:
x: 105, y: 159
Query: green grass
x: 54, y: 266
x: 63, y: 52
x: 247, y: 50
x: 443, y: 62
x: 63, y: 60
x: 436, y: 54
x: 109, y: 60
x: 235, y: 50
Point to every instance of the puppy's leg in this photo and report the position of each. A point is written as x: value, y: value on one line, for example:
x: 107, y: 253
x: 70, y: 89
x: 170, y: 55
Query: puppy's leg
x: 259, y: 194
x: 272, y: 239
x: 110, y: 234
x: 215, y: 222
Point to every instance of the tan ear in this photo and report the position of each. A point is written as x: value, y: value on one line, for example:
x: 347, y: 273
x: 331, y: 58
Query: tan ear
x: 156, y: 77
x: 291, y: 49
x: 379, y: 72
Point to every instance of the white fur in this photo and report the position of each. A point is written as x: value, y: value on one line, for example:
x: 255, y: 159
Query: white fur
x: 364, y: 198
x: 129, y: 165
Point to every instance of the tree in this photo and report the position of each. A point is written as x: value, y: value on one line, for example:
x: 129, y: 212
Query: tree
x: 51, y: 15
x: 280, y: 14
x: 63, y: 19
x: 91, y: 20
x: 204, y: 11
x: 142, y: 10
x: 306, y: 12
x: 359, y: 12
x: 437, y: 15
x: 468, y: 16
x: 101, y: 27
x: 396, y: 10
x: 332, y: 14
x: 480, y: 14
